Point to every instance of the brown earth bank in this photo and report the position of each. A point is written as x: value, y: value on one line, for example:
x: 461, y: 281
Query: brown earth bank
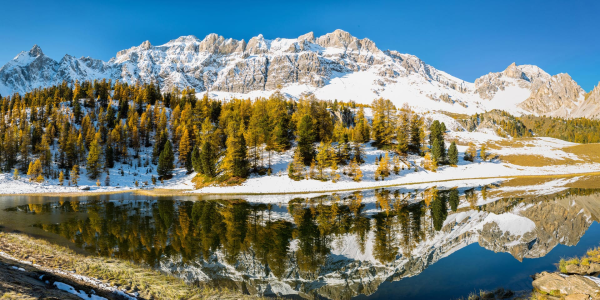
x: 105, y: 277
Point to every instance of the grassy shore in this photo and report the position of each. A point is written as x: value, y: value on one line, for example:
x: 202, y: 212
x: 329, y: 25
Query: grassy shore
x: 149, y: 283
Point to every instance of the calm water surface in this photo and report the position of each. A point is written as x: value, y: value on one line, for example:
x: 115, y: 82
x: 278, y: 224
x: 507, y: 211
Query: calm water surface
x: 380, y: 244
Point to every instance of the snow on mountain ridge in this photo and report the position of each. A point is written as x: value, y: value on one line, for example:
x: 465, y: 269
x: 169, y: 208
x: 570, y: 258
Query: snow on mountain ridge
x: 335, y: 65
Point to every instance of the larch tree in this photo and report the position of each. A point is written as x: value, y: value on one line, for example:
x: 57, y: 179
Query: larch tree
x: 75, y: 175
x: 185, y: 146
x: 94, y: 162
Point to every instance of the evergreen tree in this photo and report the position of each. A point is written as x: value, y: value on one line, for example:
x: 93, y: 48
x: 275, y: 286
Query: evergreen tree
x: 109, y: 158
x: 453, y: 154
x: 166, y: 161
x: 416, y: 133
x: 208, y: 160
x: 437, y: 151
x: 305, y: 139
x: 453, y: 199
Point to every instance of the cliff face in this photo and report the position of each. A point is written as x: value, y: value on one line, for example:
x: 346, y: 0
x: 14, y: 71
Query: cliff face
x: 336, y: 65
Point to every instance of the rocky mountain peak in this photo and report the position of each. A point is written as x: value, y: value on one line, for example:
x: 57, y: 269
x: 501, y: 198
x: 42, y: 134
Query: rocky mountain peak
x: 335, y: 65
x: 309, y: 37
x: 36, y: 51
x: 513, y: 72
x: 336, y: 39
x: 146, y: 45
x: 185, y: 39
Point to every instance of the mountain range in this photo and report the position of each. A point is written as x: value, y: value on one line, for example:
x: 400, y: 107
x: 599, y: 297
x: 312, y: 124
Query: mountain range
x: 336, y: 65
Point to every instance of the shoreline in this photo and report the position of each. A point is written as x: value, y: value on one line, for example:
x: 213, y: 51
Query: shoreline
x: 189, y: 192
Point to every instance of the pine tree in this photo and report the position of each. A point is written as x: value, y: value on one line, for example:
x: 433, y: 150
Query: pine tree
x: 196, y: 162
x: 94, y: 164
x: 75, y: 175
x: 107, y: 180
x: 437, y: 151
x: 208, y: 160
x: 416, y: 133
x: 305, y: 139
x: 165, y: 161
x: 109, y: 157
x: 453, y: 154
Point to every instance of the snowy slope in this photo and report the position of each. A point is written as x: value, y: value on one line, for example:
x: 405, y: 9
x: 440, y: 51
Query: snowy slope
x: 333, y: 66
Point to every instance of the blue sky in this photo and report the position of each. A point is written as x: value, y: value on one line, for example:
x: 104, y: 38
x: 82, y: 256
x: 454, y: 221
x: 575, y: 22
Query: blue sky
x: 464, y: 38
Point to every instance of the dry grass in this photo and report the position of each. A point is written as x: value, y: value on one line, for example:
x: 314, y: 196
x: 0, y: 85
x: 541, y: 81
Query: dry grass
x: 526, y: 160
x: 150, y: 283
x: 15, y: 296
x: 456, y: 116
x: 510, y: 143
x: 584, y: 182
x: 526, y: 181
x: 587, y: 152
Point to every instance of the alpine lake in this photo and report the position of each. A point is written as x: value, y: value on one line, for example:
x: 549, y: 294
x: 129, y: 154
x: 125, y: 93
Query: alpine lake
x: 391, y: 243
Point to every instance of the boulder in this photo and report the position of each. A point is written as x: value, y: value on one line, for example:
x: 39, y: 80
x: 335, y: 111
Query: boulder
x: 577, y: 269
x: 577, y: 297
x: 594, y: 268
x: 567, y: 285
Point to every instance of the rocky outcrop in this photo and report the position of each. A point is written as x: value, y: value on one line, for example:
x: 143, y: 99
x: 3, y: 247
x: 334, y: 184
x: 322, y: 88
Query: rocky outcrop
x: 590, y: 108
x: 570, y: 287
x: 558, y: 96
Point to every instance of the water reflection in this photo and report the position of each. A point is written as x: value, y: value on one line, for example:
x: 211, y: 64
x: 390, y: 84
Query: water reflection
x: 334, y: 246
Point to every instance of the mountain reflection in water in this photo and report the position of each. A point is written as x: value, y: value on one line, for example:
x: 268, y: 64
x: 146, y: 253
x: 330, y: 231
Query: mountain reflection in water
x: 335, y: 246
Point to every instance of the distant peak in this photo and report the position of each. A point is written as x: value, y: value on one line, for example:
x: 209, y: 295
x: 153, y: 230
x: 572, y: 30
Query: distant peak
x: 146, y: 45
x: 310, y: 37
x: 513, y: 72
x: 186, y: 38
x: 36, y: 51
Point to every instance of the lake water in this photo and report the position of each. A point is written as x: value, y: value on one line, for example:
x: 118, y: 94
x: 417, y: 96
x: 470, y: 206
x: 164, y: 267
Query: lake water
x: 377, y: 244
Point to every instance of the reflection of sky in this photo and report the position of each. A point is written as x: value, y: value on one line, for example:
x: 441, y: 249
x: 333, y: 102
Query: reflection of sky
x: 473, y: 268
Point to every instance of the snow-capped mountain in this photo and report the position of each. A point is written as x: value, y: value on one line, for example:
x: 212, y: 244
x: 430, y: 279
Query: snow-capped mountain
x: 336, y: 65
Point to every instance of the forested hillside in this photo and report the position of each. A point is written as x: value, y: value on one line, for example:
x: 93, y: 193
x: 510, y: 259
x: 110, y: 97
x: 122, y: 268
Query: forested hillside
x: 65, y: 132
